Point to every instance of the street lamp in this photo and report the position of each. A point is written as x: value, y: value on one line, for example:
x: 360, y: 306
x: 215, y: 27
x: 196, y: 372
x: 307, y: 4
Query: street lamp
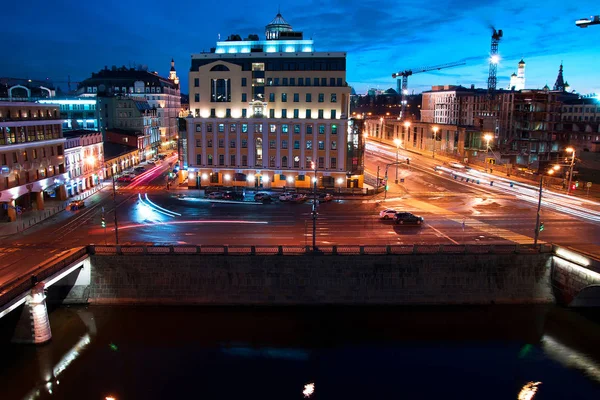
x: 407, y: 126
x: 487, y: 138
x: 570, y: 150
x: 397, y: 142
x: 340, y: 181
x: 537, y: 219
x: 314, y: 208
x: 435, y: 131
x: 381, y: 130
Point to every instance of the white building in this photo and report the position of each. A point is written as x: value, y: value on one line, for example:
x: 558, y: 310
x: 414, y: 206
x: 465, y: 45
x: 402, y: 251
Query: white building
x: 265, y: 110
x: 517, y: 81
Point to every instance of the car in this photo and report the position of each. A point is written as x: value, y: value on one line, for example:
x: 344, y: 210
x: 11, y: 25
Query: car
x: 260, y: 196
x: 125, y: 178
x: 233, y: 196
x: 151, y: 163
x: 388, y: 213
x: 285, y: 196
x: 215, y: 195
x: 325, y: 197
x: 76, y: 205
x: 406, y: 218
x: 162, y: 156
x: 139, y: 169
x: 298, y: 198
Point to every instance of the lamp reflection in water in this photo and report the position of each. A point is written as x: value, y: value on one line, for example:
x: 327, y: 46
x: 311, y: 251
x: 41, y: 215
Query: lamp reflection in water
x: 309, y: 389
x: 528, y: 391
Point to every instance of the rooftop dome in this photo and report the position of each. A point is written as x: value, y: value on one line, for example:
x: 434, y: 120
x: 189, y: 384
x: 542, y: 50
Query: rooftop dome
x: 521, y: 62
x: 277, y: 25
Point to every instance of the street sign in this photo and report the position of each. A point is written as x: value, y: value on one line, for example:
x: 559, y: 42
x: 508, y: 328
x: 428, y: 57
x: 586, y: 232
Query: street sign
x: 589, y: 184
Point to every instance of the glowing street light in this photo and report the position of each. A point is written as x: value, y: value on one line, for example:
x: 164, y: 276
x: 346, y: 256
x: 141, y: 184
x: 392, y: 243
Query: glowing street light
x: 495, y: 59
x: 488, y: 138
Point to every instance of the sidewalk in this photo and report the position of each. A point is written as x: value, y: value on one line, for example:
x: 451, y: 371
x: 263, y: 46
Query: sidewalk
x: 51, y: 207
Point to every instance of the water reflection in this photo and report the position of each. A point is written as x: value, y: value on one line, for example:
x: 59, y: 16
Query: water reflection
x: 48, y: 374
x: 528, y: 391
x: 571, y: 358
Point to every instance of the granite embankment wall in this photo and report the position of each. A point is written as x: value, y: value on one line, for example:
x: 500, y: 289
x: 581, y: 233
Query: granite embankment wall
x: 320, y: 279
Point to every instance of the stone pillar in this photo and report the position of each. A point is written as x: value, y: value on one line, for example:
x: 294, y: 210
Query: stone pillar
x: 12, y: 213
x: 34, y: 325
x: 39, y: 199
x: 62, y: 192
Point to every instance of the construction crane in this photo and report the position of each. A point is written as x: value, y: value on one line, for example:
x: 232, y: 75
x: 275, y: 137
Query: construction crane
x: 409, y: 72
x: 494, y: 59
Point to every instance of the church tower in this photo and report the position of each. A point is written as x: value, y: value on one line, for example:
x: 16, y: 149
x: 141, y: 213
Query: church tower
x: 517, y: 81
x: 560, y: 82
x: 173, y: 74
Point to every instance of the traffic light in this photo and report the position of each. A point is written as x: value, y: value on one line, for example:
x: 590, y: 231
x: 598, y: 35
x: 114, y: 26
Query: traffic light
x: 573, y: 186
x: 103, y: 222
x: 541, y: 226
x: 386, y: 188
x: 576, y: 183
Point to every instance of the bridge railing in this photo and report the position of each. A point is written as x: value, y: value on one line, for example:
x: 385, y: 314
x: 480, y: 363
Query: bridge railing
x: 321, y: 250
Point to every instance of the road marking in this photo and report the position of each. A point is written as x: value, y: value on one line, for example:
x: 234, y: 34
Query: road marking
x: 443, y: 234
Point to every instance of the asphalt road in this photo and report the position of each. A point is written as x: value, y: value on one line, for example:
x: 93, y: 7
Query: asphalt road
x: 454, y: 212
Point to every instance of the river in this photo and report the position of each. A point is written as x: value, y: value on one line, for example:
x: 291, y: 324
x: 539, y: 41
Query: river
x: 491, y: 352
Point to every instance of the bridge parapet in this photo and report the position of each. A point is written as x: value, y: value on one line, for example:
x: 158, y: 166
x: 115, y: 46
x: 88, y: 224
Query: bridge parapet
x: 575, y: 278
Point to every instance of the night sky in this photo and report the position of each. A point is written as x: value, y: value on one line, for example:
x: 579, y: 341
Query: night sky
x: 44, y: 40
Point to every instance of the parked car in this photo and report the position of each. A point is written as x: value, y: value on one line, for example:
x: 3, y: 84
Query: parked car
x: 298, y: 198
x: 286, y: 196
x: 233, y: 196
x: 215, y: 195
x: 388, y: 213
x: 139, y: 169
x: 260, y: 196
x: 151, y: 163
x: 325, y: 197
x: 125, y: 178
x: 406, y: 218
x: 76, y: 205
x: 162, y: 156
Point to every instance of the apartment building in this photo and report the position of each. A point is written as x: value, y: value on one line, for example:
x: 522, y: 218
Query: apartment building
x: 32, y: 164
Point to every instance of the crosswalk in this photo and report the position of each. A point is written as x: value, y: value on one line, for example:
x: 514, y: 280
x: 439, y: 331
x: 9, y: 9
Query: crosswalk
x: 144, y: 188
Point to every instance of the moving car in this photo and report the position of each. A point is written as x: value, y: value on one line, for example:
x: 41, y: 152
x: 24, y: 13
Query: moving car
x: 298, y: 198
x: 125, y: 178
x: 387, y: 213
x: 139, y: 170
x: 406, y: 218
x: 151, y: 163
x: 76, y: 205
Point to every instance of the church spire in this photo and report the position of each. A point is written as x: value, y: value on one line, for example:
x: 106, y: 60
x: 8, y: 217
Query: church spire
x: 560, y: 82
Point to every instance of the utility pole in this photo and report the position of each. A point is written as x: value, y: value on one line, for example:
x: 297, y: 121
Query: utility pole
x: 537, y: 219
x: 377, y: 182
x: 571, y: 150
x: 115, y: 207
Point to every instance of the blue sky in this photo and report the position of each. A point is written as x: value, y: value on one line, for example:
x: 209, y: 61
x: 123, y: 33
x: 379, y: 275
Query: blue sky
x: 380, y: 36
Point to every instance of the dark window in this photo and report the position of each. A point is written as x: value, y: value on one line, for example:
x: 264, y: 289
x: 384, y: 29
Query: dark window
x: 296, y: 113
x: 232, y: 144
x: 321, y: 97
x: 209, y: 127
x: 334, y: 129
x: 296, y: 97
x: 196, y: 97
x: 209, y: 143
x: 221, y: 143
x: 284, y: 144
x: 284, y: 162
x: 244, y: 160
x: 271, y: 113
x: 271, y: 97
x: 296, y: 144
x: 232, y: 159
x: 333, y: 98
x: 297, y: 128
x: 199, y: 143
x: 210, y: 159
x: 198, y: 159
x: 309, y: 130
x: 333, y: 114
x: 315, y: 81
x: 321, y: 129
x: 244, y: 97
x: 331, y: 81
x: 221, y: 159
x: 198, y: 127
x: 284, y: 97
x: 323, y: 81
x: 196, y: 82
x: 308, y: 113
x: 333, y: 162
x: 243, y: 81
x: 300, y: 81
x: 320, y: 114
x: 284, y: 113
x: 308, y: 97
x: 244, y: 143
x: 339, y: 81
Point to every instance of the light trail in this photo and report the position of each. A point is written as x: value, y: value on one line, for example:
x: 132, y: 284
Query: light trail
x: 197, y: 222
x: 152, y: 208
x: 160, y: 208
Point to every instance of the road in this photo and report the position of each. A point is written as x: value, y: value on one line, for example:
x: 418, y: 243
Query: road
x: 455, y: 212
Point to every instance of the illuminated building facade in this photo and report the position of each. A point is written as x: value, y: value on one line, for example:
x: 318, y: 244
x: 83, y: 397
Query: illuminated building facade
x: 263, y: 111
x: 84, y: 160
x: 32, y: 165
x: 76, y: 113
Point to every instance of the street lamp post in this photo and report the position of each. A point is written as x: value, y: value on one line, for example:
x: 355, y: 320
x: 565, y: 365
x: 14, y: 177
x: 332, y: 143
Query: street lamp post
x: 115, y: 207
x: 537, y: 219
x: 381, y: 130
x: 407, y: 126
x: 571, y: 150
x: 397, y: 142
x: 314, y: 209
x: 435, y: 130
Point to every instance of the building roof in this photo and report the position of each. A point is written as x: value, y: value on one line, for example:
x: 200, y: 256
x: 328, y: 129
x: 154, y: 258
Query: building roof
x: 114, y: 150
x: 583, y: 101
x: 125, y: 77
x: 278, y: 24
